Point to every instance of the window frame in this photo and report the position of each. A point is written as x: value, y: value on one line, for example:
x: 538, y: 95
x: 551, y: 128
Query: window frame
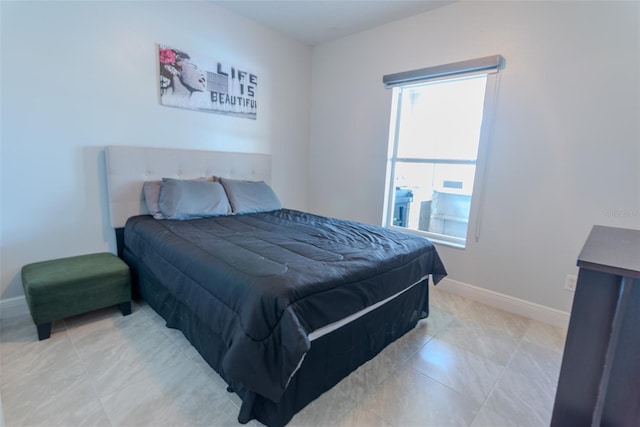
x: 486, y: 129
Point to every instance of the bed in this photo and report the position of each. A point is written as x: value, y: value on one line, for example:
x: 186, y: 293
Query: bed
x: 282, y: 304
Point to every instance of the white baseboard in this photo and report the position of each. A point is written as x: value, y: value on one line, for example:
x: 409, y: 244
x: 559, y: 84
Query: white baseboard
x: 12, y: 307
x: 507, y: 303
x: 17, y: 306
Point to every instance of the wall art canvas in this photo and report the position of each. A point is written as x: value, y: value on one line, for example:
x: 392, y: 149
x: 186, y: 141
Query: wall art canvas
x: 188, y: 80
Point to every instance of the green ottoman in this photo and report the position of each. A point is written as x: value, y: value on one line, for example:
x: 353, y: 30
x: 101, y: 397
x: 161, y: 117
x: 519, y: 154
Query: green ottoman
x: 69, y: 286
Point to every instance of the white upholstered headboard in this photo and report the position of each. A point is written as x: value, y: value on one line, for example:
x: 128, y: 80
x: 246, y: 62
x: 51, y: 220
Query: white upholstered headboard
x: 129, y: 167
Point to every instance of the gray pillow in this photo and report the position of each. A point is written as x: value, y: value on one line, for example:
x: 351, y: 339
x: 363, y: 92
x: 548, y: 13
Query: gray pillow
x: 250, y: 196
x: 192, y: 199
x: 151, y: 190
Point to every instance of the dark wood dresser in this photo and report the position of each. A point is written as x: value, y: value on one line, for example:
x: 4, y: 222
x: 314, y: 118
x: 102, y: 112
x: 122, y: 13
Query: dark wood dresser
x: 599, y: 382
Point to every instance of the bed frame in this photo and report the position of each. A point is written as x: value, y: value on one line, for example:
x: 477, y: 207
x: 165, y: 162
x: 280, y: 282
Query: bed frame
x: 129, y: 167
x: 351, y: 345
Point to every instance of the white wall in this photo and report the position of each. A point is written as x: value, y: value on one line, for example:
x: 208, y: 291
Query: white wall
x: 565, y: 152
x: 77, y: 76
x: 565, y: 155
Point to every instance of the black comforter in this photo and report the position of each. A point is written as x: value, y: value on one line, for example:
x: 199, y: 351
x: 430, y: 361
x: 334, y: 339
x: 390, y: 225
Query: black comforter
x: 265, y: 281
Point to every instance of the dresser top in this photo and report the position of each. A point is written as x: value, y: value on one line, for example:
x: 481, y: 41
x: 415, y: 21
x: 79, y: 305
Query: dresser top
x: 612, y: 250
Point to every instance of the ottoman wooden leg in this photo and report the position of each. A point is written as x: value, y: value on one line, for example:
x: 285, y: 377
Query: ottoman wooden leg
x: 44, y: 331
x: 125, y: 308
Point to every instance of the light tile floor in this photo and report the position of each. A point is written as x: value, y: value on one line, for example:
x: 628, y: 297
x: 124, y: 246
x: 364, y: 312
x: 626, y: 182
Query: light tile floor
x: 466, y: 365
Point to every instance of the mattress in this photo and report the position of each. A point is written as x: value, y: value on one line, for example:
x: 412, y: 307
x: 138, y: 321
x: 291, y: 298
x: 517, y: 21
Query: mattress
x: 267, y: 282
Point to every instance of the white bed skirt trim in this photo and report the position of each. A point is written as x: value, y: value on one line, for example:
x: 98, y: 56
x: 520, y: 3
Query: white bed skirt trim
x: 340, y: 323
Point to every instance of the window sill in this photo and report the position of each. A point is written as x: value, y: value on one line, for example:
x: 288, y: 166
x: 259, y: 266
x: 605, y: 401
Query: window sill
x: 432, y: 238
x: 445, y: 243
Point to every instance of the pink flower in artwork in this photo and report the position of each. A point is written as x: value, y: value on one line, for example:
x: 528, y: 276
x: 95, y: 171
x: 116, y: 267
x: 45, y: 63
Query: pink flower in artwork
x: 167, y: 56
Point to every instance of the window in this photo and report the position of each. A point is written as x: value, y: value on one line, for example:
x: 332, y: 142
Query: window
x: 435, y: 147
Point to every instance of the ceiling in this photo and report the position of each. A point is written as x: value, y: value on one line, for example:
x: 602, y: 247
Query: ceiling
x: 314, y: 22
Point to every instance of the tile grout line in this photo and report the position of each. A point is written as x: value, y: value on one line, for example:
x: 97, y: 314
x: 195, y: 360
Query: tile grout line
x: 452, y: 390
x: 495, y: 384
x: 86, y: 372
x: 191, y: 357
x: 502, y: 371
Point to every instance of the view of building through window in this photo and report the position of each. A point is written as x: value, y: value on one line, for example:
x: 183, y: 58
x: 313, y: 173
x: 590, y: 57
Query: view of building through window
x: 435, y: 138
